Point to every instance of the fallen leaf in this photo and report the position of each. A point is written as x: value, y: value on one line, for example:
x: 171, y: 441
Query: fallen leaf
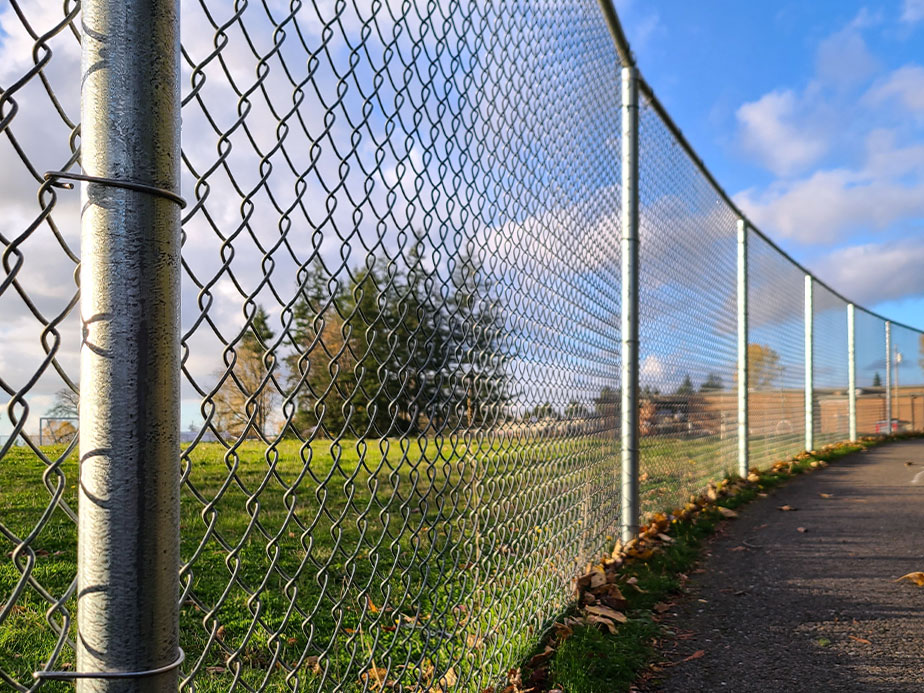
x: 826, y: 495
x: 540, y: 658
x: 739, y: 548
x: 606, y: 612
x: 376, y: 675
x: 634, y: 582
x: 727, y: 512
x: 661, y: 607
x: 916, y: 577
x: 610, y: 626
x: 695, y: 655
x: 803, y: 530
x: 787, y: 508
x: 863, y: 640
x: 753, y: 478
x: 372, y: 607
x: 449, y: 679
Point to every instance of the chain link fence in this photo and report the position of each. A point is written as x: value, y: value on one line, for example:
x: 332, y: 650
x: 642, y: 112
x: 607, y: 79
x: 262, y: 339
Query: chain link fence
x: 401, y: 349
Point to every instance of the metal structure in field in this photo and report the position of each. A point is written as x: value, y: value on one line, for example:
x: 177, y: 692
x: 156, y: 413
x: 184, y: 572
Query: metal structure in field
x: 450, y: 312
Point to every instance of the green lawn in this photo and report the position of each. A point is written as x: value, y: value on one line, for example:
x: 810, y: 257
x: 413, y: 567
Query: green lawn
x: 339, y: 561
x: 426, y: 560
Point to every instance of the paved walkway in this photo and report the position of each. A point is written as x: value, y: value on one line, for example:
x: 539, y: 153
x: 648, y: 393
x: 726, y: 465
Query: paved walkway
x: 773, y: 608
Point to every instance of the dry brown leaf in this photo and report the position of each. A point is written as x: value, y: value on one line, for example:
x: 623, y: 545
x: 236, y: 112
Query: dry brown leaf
x: 695, y: 655
x: 727, y: 512
x: 610, y: 626
x: 538, y: 659
x: 375, y: 675
x: 826, y: 495
x: 801, y: 530
x: 666, y: 538
x: 372, y: 607
x: 448, y: 680
x: 787, y: 508
x: 753, y: 478
x: 661, y: 607
x: 863, y: 640
x: 916, y: 577
x: 606, y: 612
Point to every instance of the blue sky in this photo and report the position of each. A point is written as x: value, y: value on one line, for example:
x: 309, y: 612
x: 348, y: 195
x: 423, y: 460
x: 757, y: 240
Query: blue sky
x: 811, y: 115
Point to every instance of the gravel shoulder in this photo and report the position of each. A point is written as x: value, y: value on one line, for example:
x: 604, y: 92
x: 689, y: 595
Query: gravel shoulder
x: 806, y: 600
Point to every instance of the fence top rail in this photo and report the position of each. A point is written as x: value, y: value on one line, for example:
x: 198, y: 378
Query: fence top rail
x: 624, y: 51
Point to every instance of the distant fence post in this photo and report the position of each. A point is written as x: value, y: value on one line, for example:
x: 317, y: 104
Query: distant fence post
x: 888, y: 380
x: 742, y: 348
x: 851, y: 371
x: 809, y: 362
x: 128, y: 529
x: 630, y: 220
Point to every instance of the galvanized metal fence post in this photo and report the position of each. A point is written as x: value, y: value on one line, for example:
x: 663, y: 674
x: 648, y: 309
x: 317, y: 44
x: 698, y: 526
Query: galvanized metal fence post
x: 851, y: 372
x: 742, y: 348
x: 128, y: 541
x: 888, y: 380
x: 630, y: 221
x: 809, y: 362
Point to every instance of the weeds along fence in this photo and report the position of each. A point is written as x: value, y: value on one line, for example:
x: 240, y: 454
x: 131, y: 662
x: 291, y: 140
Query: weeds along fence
x: 424, y: 247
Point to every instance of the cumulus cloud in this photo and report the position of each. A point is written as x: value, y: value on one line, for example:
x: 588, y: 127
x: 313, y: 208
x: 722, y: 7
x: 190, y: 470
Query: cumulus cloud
x: 827, y: 205
x: 773, y: 129
x: 868, y: 182
x: 904, y: 86
x: 843, y: 59
x: 874, y: 272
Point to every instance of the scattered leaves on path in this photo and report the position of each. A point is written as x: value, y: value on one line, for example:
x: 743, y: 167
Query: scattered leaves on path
x: 788, y: 508
x: 826, y: 495
x: 727, y: 512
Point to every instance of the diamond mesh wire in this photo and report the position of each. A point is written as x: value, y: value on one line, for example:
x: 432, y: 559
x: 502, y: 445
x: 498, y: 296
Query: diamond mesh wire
x: 776, y: 354
x: 907, y: 378
x: 870, y: 357
x: 829, y: 367
x: 39, y: 338
x: 405, y: 337
x: 401, y: 306
x: 687, y: 330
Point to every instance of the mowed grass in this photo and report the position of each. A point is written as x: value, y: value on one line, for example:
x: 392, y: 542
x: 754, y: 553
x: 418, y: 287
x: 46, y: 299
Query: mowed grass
x: 341, y: 566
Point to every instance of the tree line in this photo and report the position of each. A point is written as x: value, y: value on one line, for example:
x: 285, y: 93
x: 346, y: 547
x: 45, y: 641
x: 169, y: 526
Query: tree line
x: 385, y: 350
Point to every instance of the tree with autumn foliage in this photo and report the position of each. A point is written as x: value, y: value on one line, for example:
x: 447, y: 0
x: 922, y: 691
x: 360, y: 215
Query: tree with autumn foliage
x: 763, y: 366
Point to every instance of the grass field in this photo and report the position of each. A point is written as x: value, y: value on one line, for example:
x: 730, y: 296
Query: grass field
x: 419, y: 559
x: 353, y: 562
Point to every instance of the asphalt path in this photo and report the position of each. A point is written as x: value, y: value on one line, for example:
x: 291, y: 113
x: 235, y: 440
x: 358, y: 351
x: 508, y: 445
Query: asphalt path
x: 806, y: 599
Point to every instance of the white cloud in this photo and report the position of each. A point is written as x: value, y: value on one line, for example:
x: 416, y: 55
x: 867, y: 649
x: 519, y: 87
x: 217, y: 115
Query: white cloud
x: 773, y: 128
x: 912, y: 11
x: 843, y: 59
x: 874, y: 272
x: 829, y: 204
x: 904, y: 86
